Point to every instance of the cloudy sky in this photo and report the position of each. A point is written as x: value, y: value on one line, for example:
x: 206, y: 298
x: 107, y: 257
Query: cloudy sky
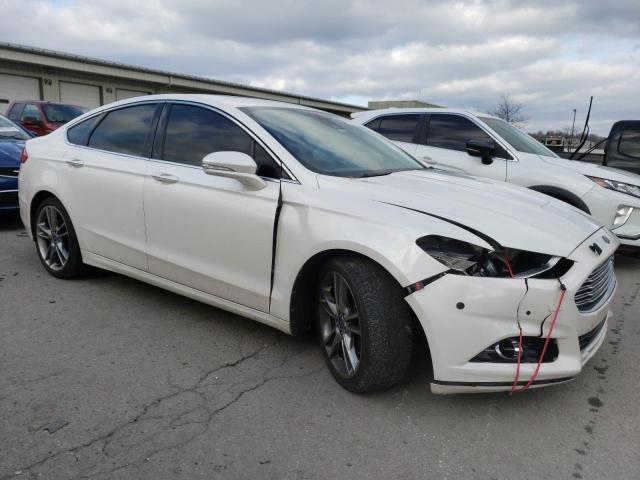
x: 549, y: 55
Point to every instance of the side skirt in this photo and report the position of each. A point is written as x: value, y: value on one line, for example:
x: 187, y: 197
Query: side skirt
x: 262, y: 317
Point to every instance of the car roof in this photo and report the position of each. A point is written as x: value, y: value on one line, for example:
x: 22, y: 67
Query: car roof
x: 213, y: 100
x: 393, y: 110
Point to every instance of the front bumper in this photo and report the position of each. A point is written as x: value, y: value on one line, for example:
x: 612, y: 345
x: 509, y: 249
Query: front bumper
x: 462, y: 316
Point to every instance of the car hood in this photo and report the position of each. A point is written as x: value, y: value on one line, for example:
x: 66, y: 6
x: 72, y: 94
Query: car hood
x: 10, y: 153
x: 594, y: 170
x: 509, y: 215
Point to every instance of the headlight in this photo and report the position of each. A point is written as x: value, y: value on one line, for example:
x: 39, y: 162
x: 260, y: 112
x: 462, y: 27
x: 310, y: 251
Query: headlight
x: 622, y: 215
x: 617, y: 186
x: 467, y: 259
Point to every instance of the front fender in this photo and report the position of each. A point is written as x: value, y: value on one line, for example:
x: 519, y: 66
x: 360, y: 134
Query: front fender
x: 312, y: 222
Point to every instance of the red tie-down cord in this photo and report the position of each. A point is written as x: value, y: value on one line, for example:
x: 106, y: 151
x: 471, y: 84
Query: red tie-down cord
x: 563, y: 292
x: 516, y: 379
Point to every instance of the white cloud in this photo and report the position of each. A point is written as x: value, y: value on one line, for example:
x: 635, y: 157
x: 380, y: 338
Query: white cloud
x: 547, y: 54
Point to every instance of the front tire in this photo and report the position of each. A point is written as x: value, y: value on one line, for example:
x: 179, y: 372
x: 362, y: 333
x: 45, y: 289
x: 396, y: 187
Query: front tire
x: 364, y: 325
x: 56, y: 241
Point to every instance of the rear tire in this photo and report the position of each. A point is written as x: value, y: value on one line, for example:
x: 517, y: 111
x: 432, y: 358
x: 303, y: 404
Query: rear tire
x: 55, y: 239
x: 364, y: 325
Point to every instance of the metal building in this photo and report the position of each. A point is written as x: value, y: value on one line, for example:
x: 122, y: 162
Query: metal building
x: 28, y: 73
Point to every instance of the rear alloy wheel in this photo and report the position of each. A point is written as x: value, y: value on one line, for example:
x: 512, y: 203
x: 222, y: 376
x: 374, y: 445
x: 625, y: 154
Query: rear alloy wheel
x: 363, y: 323
x: 56, y: 241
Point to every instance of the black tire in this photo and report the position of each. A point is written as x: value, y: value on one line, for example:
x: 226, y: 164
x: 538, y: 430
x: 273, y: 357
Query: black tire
x: 73, y: 266
x: 385, y: 325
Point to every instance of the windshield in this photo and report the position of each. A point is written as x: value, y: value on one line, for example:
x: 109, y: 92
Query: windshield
x: 326, y: 144
x: 62, y: 113
x: 9, y: 130
x: 517, y: 138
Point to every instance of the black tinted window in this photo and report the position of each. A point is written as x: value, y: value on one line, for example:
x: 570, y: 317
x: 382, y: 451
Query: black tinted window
x: 79, y: 134
x: 16, y: 111
x: 124, y: 130
x: 398, y: 127
x: 453, y: 132
x: 630, y: 142
x: 194, y: 132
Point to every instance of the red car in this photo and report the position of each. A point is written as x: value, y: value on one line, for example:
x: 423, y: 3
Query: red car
x: 42, y: 117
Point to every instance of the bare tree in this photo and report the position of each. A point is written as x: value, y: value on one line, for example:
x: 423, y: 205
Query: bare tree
x: 509, y: 110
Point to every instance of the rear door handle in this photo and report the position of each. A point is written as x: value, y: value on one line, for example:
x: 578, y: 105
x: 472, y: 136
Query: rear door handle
x: 429, y: 160
x: 164, y: 177
x: 75, y: 162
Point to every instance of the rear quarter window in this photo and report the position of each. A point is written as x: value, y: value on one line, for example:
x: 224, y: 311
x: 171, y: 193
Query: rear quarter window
x: 401, y: 128
x: 79, y: 134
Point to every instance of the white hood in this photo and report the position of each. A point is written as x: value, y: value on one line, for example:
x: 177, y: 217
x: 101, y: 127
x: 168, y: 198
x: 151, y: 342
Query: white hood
x: 594, y: 170
x: 512, y: 216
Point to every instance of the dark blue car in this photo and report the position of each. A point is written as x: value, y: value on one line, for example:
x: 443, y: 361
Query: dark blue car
x: 12, y: 138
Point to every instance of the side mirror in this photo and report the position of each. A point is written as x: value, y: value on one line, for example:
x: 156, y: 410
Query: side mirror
x: 32, y: 121
x: 236, y: 165
x: 483, y: 149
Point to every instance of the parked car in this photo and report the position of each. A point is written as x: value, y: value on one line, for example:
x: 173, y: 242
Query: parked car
x: 12, y: 138
x: 42, y: 117
x: 622, y: 148
x: 295, y: 217
x: 486, y: 146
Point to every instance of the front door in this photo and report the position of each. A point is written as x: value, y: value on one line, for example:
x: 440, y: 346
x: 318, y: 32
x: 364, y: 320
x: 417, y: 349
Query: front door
x: 443, y: 144
x: 208, y: 232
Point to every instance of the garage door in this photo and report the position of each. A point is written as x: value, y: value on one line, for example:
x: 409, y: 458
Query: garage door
x: 16, y: 87
x: 80, y: 94
x: 122, y: 93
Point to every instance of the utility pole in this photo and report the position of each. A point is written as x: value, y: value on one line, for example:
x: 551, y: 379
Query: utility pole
x: 572, y: 126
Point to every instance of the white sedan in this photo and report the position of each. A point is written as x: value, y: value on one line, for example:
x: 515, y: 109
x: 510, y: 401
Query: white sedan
x: 299, y: 219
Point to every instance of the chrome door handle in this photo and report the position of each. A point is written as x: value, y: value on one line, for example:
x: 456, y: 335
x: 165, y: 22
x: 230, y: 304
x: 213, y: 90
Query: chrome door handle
x: 429, y: 160
x: 164, y: 177
x: 75, y: 162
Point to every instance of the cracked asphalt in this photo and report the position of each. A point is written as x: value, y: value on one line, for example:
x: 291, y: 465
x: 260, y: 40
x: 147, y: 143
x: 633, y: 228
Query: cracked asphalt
x: 108, y: 378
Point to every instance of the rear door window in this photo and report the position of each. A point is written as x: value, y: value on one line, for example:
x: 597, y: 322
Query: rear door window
x: 125, y: 130
x: 401, y: 128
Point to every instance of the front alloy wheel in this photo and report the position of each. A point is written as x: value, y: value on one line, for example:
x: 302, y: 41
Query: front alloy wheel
x: 339, y: 324
x: 364, y: 325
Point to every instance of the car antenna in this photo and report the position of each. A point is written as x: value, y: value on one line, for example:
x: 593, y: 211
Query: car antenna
x: 585, y: 131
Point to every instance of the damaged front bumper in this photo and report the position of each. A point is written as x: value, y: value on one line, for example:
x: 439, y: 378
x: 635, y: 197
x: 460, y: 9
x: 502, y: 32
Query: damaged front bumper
x: 462, y: 316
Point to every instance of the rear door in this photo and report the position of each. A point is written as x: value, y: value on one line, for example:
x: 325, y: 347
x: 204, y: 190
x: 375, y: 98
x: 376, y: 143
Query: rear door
x: 106, y: 167
x: 204, y: 231
x: 443, y: 144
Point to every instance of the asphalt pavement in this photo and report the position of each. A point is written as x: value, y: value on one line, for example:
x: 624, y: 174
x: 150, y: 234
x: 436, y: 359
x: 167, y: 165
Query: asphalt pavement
x: 109, y: 378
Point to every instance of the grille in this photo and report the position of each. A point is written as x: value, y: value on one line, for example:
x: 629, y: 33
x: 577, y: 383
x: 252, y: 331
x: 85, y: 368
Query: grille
x: 597, y: 288
x: 8, y: 198
x: 586, y: 339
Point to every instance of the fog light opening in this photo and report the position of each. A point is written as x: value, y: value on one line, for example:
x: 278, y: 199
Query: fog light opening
x: 506, y: 351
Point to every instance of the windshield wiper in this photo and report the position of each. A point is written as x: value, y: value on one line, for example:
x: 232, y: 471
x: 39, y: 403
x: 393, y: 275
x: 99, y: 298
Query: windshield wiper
x: 375, y: 174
